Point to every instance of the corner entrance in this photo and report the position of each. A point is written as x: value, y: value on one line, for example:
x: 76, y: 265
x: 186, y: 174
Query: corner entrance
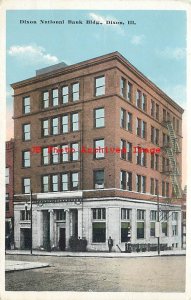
x: 25, y: 238
x: 62, y: 239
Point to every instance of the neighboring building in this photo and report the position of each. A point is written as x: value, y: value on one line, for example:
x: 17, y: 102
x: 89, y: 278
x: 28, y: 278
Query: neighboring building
x: 9, y: 213
x: 101, y: 102
x: 184, y: 198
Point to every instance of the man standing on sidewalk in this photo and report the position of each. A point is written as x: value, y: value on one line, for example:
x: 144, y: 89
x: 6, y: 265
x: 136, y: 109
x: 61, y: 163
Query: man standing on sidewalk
x: 110, y: 243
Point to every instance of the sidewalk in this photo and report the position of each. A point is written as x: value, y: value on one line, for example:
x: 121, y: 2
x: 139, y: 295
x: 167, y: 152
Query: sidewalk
x: 13, y: 265
x: 96, y: 254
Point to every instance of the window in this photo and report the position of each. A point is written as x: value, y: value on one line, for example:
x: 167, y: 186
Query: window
x: 26, y: 132
x: 55, y: 97
x: 26, y: 159
x: 144, y: 102
x: 174, y: 216
x: 125, y: 213
x: 152, y: 161
x: 174, y: 123
x: 100, y: 86
x: 75, y: 181
x: 7, y: 202
x: 157, y: 112
x: 153, y: 215
x: 141, y: 158
x: 164, y: 115
x: 64, y: 151
x: 177, y: 126
x: 129, y: 91
x: 99, y: 146
x: 164, y: 228
x: 45, y: 156
x: 140, y: 214
x: 163, y: 188
x: 141, y: 128
x: 54, y: 183
x: 156, y: 187
x: 26, y: 185
x: 122, y: 118
x: 125, y: 232
x: 65, y: 182
x: 140, y: 225
x: 144, y: 128
x: 141, y: 183
x: 129, y: 121
x: 55, y: 154
x: 65, y: 94
x: 99, y: 117
x: 164, y: 215
x: 45, y: 98
x: 60, y: 215
x: 64, y: 124
x: 45, y: 184
x: 75, y: 91
x: 129, y: 151
x: 126, y: 180
x: 174, y: 230
x: 75, y: 122
x: 122, y: 148
x: 138, y: 99
x: 98, y: 213
x: 122, y: 87
x: 156, y: 162
x: 152, y: 108
x: 55, y: 129
x: 138, y: 127
x: 98, y: 228
x: 45, y: 130
x: 152, y: 186
x: 99, y: 179
x: 152, y: 228
x: 154, y: 135
x: 7, y: 175
x: 26, y: 105
x: 75, y: 153
x: 25, y: 215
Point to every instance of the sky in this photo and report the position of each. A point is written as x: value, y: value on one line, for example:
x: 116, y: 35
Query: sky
x: 155, y: 45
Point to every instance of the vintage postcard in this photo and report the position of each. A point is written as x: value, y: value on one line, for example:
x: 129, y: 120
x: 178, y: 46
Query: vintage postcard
x: 96, y: 144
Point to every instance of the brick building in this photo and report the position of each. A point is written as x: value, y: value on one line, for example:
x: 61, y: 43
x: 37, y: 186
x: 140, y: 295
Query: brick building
x: 9, y: 213
x: 61, y: 116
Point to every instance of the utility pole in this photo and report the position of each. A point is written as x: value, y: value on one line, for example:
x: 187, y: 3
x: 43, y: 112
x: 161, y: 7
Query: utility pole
x: 158, y: 237
x: 31, y: 217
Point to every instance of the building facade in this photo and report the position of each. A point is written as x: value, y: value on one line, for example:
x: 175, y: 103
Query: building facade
x: 77, y: 133
x: 9, y: 213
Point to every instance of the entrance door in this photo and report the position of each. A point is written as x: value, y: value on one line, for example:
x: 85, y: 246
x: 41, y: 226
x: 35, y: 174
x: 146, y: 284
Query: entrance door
x: 62, y: 240
x: 26, y: 238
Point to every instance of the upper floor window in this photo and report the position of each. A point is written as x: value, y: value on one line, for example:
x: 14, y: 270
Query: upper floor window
x: 129, y: 121
x: 45, y: 99
x: 126, y: 180
x: 45, y: 156
x: 99, y: 179
x: 60, y: 215
x: 64, y: 124
x: 154, y: 135
x: 75, y: 122
x: 153, y: 215
x: 65, y: 182
x: 144, y: 102
x: 26, y: 105
x: 75, y: 181
x: 65, y: 94
x: 55, y: 97
x: 26, y: 159
x: 152, y: 108
x: 129, y: 91
x: 122, y: 118
x: 75, y: 91
x: 26, y: 185
x: 99, y: 115
x: 99, y: 146
x: 45, y: 183
x: 54, y: 183
x: 140, y: 214
x: 138, y: 99
x: 26, y: 132
x: 55, y: 128
x: 141, y: 183
x: 157, y: 111
x: 141, y: 128
x: 125, y: 213
x: 45, y: 129
x: 100, y: 86
x: 7, y: 175
x: 64, y: 151
x: 123, y: 87
x: 164, y: 115
x: 75, y: 153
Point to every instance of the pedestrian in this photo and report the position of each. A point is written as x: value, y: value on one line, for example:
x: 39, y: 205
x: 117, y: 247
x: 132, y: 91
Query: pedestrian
x: 110, y: 244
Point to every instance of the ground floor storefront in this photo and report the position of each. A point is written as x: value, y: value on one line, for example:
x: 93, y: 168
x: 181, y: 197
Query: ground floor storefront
x: 56, y: 218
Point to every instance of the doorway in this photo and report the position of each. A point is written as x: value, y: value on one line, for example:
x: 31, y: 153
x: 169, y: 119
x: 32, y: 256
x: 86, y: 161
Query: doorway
x: 62, y: 239
x: 25, y: 238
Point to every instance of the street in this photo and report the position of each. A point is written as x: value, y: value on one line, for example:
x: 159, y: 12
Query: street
x: 98, y: 274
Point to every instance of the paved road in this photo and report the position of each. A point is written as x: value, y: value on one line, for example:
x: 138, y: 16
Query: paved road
x: 148, y: 274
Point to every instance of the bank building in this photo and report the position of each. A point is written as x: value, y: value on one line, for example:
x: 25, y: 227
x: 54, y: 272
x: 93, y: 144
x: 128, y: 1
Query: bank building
x: 97, y: 103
